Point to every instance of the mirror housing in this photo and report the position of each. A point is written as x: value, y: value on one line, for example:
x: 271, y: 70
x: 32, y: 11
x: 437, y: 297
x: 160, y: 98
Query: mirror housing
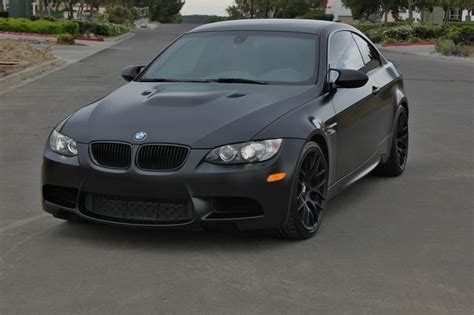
x: 131, y: 72
x: 350, y: 79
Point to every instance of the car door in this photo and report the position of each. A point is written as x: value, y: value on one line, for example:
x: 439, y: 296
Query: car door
x: 382, y: 88
x: 356, y: 109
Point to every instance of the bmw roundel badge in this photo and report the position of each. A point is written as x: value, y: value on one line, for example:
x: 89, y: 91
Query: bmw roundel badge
x: 140, y: 136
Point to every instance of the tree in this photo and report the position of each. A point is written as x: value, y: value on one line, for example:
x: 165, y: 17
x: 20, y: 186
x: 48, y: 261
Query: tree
x: 250, y: 9
x: 69, y: 5
x: 164, y: 11
x: 362, y: 9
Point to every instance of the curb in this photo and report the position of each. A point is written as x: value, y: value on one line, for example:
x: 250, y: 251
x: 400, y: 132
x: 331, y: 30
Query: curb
x: 29, y: 73
x: 119, y: 37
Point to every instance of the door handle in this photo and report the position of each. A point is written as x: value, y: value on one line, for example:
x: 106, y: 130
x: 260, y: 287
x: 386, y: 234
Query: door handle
x: 376, y: 90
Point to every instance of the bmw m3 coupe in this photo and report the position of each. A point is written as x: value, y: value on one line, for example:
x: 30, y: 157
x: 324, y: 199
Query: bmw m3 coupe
x: 251, y: 124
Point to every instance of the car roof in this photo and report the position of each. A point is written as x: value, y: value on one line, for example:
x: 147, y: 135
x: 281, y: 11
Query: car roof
x: 275, y: 25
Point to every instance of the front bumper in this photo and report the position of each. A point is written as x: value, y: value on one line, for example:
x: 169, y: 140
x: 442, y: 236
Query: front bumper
x: 209, y: 187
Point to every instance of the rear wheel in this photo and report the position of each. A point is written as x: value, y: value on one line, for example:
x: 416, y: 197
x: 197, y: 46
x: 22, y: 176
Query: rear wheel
x: 309, y: 195
x: 399, y: 151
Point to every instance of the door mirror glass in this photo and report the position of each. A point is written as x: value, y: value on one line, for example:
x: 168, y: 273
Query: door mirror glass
x: 129, y: 73
x: 348, y: 79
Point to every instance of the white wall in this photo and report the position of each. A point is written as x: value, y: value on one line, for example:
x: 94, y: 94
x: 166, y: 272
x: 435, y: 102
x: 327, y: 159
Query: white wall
x: 416, y: 15
x: 337, y: 8
x: 4, y: 4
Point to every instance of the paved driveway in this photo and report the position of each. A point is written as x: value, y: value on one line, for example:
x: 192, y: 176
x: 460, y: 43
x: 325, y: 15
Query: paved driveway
x: 387, y: 246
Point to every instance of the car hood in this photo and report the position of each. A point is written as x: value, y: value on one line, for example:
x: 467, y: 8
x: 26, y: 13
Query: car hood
x: 193, y: 114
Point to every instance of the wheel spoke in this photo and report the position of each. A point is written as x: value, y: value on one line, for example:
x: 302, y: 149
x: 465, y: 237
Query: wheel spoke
x: 321, y: 183
x: 318, y: 193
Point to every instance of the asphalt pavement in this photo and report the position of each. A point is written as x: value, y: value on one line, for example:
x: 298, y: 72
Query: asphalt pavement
x: 387, y: 246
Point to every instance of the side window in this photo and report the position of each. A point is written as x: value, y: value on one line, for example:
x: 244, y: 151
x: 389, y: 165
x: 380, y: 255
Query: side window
x: 369, y: 54
x: 343, y: 52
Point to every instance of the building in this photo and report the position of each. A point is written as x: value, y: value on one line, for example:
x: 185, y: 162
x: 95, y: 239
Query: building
x: 437, y: 15
x: 340, y: 12
x: 3, y: 5
x: 20, y: 8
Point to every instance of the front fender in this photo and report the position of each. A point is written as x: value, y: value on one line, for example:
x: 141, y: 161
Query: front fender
x: 308, y: 122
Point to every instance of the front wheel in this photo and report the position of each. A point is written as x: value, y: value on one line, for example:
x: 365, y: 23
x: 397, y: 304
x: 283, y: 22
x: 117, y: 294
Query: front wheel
x: 309, y: 195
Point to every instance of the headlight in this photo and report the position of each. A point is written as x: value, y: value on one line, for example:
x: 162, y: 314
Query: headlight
x: 62, y: 144
x: 241, y: 153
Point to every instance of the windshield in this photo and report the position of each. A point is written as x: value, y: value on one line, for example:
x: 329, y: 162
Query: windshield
x: 238, y: 57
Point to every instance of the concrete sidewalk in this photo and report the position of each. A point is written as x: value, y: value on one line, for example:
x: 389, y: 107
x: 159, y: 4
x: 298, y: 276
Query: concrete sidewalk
x: 70, y: 53
x: 65, y: 54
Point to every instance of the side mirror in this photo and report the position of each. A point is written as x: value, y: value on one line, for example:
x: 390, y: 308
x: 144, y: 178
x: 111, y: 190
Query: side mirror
x: 129, y: 73
x: 350, y: 79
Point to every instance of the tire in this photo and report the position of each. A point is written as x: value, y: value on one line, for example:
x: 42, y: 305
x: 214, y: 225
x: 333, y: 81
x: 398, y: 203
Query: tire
x: 309, y: 195
x: 397, y: 161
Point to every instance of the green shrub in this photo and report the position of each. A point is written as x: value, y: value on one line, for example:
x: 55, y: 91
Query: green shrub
x: 455, y: 36
x: 428, y: 31
x: 462, y: 50
x: 120, y: 15
x: 390, y: 41
x: 87, y: 27
x: 466, y: 31
x: 401, y: 33
x: 70, y: 27
x: 445, y: 46
x: 102, y: 28
x: 375, y: 35
x: 39, y: 26
x: 110, y: 29
x: 365, y: 27
x: 67, y: 39
x: 415, y: 40
x: 140, y: 12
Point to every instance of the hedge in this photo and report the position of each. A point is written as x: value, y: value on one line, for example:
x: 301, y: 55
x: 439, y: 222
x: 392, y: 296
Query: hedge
x: 38, y: 26
x: 102, y: 28
x: 401, y: 32
x: 67, y: 27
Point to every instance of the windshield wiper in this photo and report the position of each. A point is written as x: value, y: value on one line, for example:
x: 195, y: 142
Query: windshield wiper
x: 237, y: 80
x: 173, y: 80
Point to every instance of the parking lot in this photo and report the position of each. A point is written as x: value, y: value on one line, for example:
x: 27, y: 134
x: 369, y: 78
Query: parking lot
x: 387, y: 246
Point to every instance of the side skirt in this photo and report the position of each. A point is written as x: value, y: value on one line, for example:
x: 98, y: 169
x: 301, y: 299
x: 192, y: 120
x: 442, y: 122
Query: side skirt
x: 354, y: 176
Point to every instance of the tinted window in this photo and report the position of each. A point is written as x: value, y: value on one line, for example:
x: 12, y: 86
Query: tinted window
x: 369, y: 54
x: 343, y: 52
x: 274, y: 57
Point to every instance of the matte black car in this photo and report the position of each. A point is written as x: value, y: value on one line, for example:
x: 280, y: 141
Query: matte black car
x: 251, y: 124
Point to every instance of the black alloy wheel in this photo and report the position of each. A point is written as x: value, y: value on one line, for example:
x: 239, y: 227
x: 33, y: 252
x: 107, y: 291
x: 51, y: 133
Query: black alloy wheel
x: 310, y: 195
x: 402, y: 139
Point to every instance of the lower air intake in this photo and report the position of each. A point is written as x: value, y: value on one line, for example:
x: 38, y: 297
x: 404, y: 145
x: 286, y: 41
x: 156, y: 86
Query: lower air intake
x: 137, y: 210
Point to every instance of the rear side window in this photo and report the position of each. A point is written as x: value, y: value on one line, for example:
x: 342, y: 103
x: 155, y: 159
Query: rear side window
x: 369, y: 53
x: 343, y: 52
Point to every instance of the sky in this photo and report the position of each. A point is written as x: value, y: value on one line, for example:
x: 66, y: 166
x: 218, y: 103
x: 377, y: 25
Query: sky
x: 207, y: 7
